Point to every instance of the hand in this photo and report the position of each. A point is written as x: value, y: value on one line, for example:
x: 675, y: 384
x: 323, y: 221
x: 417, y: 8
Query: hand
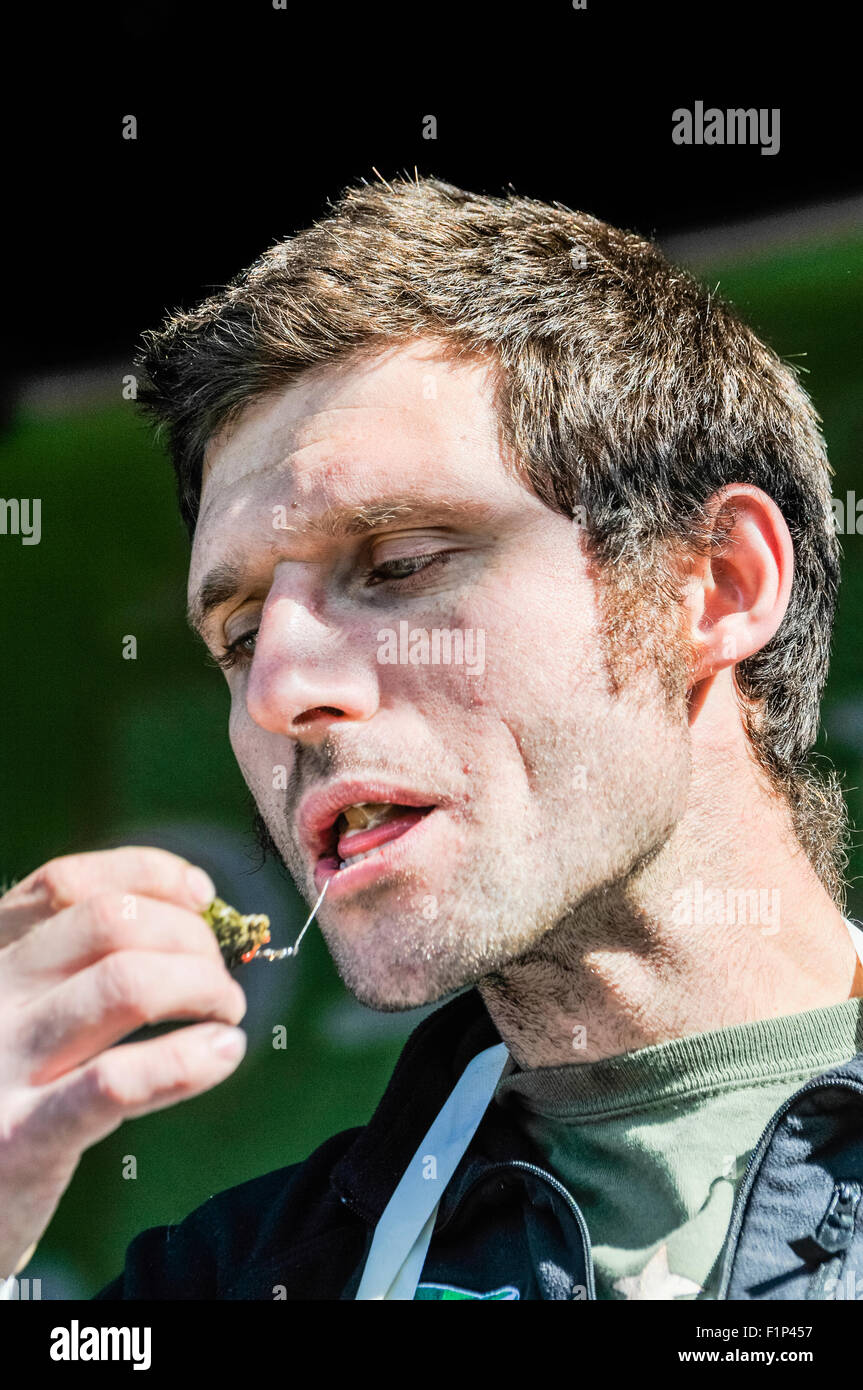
x: 92, y: 947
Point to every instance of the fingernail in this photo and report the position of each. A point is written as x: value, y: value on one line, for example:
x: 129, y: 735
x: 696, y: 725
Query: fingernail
x: 231, y: 1042
x: 200, y: 886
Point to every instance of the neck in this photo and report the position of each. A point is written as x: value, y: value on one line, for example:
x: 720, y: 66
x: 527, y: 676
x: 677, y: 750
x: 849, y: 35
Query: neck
x: 727, y: 923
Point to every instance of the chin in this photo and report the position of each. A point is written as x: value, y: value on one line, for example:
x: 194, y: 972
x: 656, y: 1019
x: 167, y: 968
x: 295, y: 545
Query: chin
x: 392, y: 998
x: 393, y: 988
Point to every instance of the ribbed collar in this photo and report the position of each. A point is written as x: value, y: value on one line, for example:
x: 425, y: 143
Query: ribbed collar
x: 689, y: 1067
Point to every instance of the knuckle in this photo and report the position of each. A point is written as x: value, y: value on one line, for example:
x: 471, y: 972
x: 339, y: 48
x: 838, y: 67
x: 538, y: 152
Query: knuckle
x: 59, y: 880
x: 104, y: 910
x: 176, y: 1062
x: 121, y: 987
x: 105, y: 1084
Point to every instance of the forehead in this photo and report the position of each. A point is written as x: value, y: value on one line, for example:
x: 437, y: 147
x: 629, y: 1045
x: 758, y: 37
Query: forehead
x: 354, y: 413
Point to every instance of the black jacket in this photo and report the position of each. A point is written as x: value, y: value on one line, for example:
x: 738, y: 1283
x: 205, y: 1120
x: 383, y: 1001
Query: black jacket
x: 506, y: 1227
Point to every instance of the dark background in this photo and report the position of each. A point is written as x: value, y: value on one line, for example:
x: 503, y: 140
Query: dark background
x: 248, y: 120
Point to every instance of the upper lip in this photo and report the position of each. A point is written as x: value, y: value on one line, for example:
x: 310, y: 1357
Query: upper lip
x: 319, y: 810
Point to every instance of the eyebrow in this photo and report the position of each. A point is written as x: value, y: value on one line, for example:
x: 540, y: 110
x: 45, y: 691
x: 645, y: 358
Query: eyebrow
x: 229, y: 577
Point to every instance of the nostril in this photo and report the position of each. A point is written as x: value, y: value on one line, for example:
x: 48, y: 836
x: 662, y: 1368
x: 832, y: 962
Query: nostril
x: 310, y: 715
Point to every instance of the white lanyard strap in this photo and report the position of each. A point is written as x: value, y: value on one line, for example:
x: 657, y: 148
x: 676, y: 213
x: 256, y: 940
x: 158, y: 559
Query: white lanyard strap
x: 856, y: 937
x: 403, y: 1234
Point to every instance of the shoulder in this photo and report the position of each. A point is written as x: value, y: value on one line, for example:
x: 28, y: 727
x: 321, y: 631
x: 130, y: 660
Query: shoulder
x: 239, y: 1239
x: 304, y: 1229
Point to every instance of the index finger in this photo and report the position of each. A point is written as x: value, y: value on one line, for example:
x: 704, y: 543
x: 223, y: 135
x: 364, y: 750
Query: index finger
x: 72, y: 878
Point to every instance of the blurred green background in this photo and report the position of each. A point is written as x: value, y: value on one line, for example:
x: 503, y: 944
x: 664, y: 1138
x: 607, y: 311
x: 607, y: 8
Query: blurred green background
x: 99, y: 750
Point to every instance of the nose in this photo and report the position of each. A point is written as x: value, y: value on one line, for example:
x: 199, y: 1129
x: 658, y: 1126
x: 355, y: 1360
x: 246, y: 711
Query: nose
x: 307, y: 676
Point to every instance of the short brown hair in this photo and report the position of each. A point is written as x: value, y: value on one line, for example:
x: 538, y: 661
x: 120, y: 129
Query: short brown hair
x: 626, y: 389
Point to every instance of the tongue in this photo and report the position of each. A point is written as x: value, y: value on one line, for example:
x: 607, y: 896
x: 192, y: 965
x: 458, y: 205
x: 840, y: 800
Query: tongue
x: 359, y: 841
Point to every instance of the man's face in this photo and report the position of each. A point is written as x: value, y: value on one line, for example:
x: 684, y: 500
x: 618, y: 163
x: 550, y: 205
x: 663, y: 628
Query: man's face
x: 364, y: 507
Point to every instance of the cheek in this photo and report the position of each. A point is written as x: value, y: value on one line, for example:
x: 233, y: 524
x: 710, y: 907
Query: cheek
x: 239, y: 730
x: 543, y: 661
x: 535, y: 674
x: 545, y: 719
x: 265, y: 760
x: 248, y: 745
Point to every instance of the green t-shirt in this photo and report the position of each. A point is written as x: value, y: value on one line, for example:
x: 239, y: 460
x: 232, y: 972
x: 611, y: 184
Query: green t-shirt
x: 652, y: 1144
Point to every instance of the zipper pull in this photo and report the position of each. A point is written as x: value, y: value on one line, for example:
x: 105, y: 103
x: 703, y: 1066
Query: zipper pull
x: 836, y: 1228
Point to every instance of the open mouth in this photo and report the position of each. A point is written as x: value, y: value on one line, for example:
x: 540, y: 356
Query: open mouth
x: 361, y: 831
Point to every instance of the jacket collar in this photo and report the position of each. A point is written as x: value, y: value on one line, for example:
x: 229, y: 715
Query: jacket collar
x: 430, y: 1064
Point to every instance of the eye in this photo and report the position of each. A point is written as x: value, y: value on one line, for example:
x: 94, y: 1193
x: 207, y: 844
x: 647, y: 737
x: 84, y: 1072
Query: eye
x: 237, y: 653
x: 242, y: 649
x: 397, y: 571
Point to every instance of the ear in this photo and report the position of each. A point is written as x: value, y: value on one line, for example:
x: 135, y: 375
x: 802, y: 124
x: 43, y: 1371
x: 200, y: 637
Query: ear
x: 738, y: 595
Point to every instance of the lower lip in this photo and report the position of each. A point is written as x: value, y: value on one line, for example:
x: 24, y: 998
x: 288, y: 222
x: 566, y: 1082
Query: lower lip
x: 383, y: 861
